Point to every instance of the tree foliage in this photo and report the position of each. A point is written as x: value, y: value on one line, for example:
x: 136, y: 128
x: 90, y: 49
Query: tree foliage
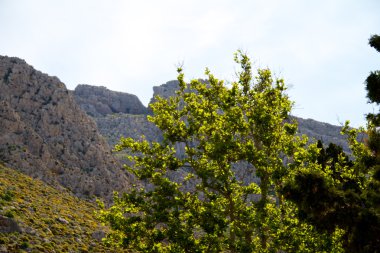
x: 373, y: 85
x: 213, y: 184
x: 374, y: 42
x: 344, y: 193
x: 337, y: 195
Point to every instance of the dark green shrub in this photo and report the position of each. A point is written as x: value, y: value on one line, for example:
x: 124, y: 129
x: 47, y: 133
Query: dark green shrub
x: 7, y: 195
x: 24, y: 245
x: 9, y: 214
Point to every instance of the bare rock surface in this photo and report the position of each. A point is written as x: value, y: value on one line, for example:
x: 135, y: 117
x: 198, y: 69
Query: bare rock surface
x: 45, y: 134
x: 165, y: 90
x: 325, y: 132
x: 9, y: 225
x: 99, y: 101
x: 115, y: 126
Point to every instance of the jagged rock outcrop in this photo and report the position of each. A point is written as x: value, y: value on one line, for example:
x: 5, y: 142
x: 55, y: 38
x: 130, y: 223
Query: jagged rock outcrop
x: 165, y: 90
x: 45, y: 134
x: 9, y: 225
x: 99, y: 101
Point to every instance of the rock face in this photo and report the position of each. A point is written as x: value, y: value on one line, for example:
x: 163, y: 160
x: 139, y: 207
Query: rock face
x: 8, y: 225
x: 165, y: 90
x: 325, y: 132
x: 45, y: 134
x: 99, y: 101
x: 114, y: 126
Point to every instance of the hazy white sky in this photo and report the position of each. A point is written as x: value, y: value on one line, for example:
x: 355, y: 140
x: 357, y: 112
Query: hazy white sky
x: 319, y: 47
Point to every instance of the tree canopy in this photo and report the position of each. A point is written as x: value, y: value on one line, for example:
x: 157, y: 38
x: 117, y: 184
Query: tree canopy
x: 215, y: 183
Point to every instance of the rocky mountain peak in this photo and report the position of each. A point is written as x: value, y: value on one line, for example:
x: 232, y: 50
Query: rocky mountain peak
x: 165, y: 90
x: 45, y: 134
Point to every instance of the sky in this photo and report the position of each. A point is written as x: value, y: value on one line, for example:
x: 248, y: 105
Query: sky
x: 320, y: 48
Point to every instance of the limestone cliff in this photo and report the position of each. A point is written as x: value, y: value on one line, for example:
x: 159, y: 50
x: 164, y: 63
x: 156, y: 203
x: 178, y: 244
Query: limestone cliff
x: 45, y: 134
x: 165, y: 90
x: 99, y: 101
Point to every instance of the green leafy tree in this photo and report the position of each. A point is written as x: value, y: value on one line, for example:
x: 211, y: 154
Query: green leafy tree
x: 230, y: 148
x: 341, y: 193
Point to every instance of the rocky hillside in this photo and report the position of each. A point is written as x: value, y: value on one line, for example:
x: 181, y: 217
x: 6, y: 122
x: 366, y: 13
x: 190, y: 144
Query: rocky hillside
x: 323, y: 131
x: 35, y: 217
x: 99, y: 101
x: 114, y: 126
x: 45, y: 134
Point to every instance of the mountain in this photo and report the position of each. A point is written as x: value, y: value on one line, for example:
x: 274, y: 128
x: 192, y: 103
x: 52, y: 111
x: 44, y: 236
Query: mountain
x: 45, y: 134
x: 63, y: 138
x: 60, y: 136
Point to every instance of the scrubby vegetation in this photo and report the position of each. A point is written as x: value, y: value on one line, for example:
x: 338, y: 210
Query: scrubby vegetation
x: 50, y: 220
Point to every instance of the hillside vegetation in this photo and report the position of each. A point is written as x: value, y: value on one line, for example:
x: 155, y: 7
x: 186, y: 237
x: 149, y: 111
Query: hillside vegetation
x: 48, y: 220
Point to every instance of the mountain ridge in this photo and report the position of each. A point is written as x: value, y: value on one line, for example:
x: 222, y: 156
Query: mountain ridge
x: 100, y: 101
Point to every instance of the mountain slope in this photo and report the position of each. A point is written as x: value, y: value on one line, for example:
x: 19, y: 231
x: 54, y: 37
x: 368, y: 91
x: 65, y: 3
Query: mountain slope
x: 45, y: 219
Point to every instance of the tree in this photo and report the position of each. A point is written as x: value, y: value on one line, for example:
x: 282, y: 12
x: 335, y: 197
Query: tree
x: 374, y: 42
x: 231, y: 146
x: 373, y: 95
x: 342, y: 193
